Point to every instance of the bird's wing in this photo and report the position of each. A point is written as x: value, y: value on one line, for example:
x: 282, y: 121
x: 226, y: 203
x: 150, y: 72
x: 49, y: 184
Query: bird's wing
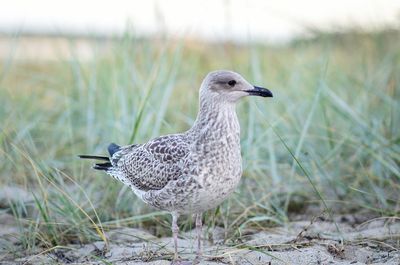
x: 152, y: 165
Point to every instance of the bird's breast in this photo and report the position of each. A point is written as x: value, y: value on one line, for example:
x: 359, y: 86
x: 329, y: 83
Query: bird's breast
x: 220, y: 170
x: 219, y: 162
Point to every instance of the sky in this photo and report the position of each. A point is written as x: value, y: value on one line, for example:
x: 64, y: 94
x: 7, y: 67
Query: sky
x: 209, y: 19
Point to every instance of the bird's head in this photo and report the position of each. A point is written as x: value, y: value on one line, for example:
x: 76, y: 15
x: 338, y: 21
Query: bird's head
x: 223, y: 85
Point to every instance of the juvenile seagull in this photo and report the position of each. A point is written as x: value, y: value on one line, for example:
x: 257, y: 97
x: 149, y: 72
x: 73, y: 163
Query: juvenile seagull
x: 193, y: 171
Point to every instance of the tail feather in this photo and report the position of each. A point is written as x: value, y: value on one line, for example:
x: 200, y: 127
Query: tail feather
x: 113, y: 148
x: 107, y: 166
x: 105, y: 158
x: 102, y: 166
x: 99, y: 166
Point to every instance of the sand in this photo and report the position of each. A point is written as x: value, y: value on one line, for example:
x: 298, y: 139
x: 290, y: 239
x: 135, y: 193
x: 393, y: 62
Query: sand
x: 314, y: 241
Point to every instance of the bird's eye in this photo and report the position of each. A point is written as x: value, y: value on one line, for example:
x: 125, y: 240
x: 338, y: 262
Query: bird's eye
x: 232, y: 83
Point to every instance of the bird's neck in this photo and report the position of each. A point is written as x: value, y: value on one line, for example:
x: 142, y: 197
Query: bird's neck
x: 216, y: 117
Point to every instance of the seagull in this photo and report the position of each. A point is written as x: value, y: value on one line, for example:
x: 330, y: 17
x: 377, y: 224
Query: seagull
x: 189, y: 172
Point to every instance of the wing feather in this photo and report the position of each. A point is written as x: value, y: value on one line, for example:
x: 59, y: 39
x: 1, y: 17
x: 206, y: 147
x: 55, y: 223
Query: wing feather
x: 152, y: 165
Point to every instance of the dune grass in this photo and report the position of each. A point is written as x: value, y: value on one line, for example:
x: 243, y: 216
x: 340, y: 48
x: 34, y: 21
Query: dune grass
x: 329, y: 138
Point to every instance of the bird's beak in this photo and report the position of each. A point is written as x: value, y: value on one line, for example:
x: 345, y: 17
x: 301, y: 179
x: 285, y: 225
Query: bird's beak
x: 259, y: 91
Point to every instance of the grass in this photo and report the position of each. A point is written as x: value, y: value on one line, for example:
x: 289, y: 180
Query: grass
x: 330, y: 136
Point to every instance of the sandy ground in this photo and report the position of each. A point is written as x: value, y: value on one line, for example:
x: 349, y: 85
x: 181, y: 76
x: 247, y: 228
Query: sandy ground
x: 309, y: 240
x: 315, y: 241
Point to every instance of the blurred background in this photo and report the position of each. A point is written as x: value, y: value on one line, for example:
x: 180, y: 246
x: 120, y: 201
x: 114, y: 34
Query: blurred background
x: 223, y: 20
x: 77, y: 75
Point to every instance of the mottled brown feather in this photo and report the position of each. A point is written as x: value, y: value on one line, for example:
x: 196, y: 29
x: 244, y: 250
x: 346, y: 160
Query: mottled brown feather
x: 159, y: 157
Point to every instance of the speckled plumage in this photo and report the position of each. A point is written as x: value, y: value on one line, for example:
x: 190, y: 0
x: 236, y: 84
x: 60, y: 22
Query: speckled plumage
x: 185, y: 173
x: 196, y: 170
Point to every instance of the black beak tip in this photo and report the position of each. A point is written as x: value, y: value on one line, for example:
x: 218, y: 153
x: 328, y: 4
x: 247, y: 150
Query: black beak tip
x: 268, y: 94
x: 261, y: 92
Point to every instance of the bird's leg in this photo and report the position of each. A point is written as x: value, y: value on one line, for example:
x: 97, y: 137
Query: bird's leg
x: 175, y: 230
x: 199, y: 232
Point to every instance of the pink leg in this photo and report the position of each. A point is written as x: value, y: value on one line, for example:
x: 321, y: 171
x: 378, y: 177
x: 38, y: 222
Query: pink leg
x: 175, y: 231
x: 199, y: 232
